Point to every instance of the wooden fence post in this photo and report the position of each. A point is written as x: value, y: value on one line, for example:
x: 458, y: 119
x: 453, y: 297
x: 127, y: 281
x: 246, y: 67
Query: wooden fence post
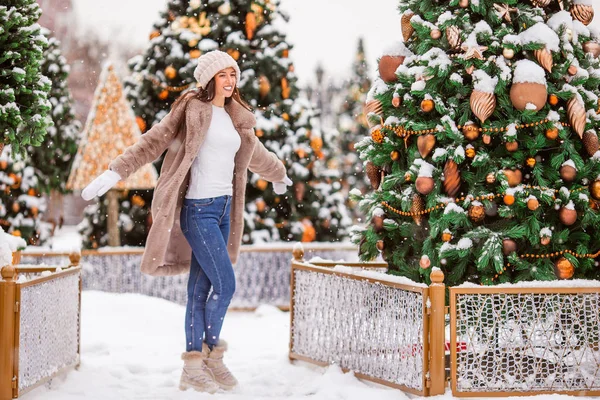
x: 8, y: 290
x: 437, y: 335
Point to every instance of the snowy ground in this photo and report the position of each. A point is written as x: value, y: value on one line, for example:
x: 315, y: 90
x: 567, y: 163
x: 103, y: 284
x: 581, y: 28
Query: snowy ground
x: 131, y: 344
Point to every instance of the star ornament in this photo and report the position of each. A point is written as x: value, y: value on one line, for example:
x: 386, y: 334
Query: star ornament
x: 473, y: 51
x: 504, y: 10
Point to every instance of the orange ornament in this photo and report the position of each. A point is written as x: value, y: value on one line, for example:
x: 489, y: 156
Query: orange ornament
x: 533, y: 204
x: 509, y: 199
x: 163, y: 95
x: 553, y: 99
x: 154, y: 34
x: 259, y: 133
x: 170, y: 72
x: 261, y: 184
x: 16, y: 207
x: 552, y: 133
x: 471, y: 131
x: 3, y: 164
x: 316, y: 143
x: 285, y: 88
x: 530, y: 162
x: 260, y: 205
x: 512, y: 146
x: 377, y: 136
x: 16, y: 232
x: 31, y: 192
x: 250, y: 25
x: 285, y: 53
x: 195, y: 53
x: 34, y: 211
x: 141, y: 123
x: 427, y: 105
x: 285, y: 116
x: 300, y: 152
x: 446, y: 237
x: 309, y: 234
x: 235, y: 54
x: 564, y: 269
x: 470, y: 152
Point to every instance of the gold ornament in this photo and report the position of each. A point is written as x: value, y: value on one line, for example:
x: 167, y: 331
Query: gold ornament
x: 264, y: 86
x: 512, y: 146
x: 576, y: 114
x: 533, y: 204
x: 508, y: 53
x: 170, y: 72
x: 316, y: 143
x: 476, y: 213
x: 513, y: 178
x: 394, y: 155
x: 377, y: 222
x: 396, y: 101
x: 482, y: 104
x: 544, y: 58
x: 530, y: 162
x: 407, y: 28
x: 16, y: 207
x: 424, y: 262
x: 568, y: 173
x: 417, y: 207
x: 425, y: 143
x: 453, y: 37
x: 508, y: 246
x: 584, y: 13
x: 195, y: 53
x: 388, y: 66
x: 590, y: 142
x: 553, y: 99
x: 487, y: 139
x: 427, y: 105
x: 490, y: 178
x: 522, y: 93
x: 595, y: 189
x: 193, y: 42
x: 503, y: 11
x: 309, y: 234
x: 262, y: 184
x: 285, y: 88
x: 373, y: 106
x: 235, y: 54
x: 509, y: 199
x: 446, y: 237
x: 424, y: 184
x: 564, y: 269
x: 451, y: 178
x: 374, y: 174
x: 377, y: 136
x: 572, y: 70
x: 552, y: 133
x: 540, y: 3
x: 435, y: 34
x: 470, y: 152
x: 545, y: 241
x: 567, y: 216
x: 471, y: 131
x: 592, y: 47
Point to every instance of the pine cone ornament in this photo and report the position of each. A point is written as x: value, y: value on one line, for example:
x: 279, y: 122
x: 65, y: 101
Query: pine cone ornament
x: 418, y: 205
x: 453, y: 37
x: 544, y: 58
x: 590, y: 142
x: 540, y: 3
x: 576, y: 114
x: 584, y: 13
x: 482, y: 104
x: 451, y: 178
x: 374, y: 174
x: 373, y: 106
x: 407, y: 28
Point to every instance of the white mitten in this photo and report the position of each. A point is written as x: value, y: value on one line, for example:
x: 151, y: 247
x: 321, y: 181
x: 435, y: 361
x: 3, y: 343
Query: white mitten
x: 100, y: 185
x: 281, y: 187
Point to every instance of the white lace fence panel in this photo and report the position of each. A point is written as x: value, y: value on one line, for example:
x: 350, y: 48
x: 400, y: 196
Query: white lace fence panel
x: 262, y: 273
x: 376, y: 329
x: 45, y: 326
x: 525, y: 340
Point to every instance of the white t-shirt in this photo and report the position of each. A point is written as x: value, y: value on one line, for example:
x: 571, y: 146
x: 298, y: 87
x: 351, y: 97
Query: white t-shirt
x: 212, y: 170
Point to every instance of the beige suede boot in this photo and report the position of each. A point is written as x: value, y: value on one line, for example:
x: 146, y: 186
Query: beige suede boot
x: 220, y: 372
x: 196, y: 374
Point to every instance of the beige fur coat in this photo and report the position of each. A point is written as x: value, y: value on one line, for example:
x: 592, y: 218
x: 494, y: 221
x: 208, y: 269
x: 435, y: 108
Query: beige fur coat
x: 183, y: 131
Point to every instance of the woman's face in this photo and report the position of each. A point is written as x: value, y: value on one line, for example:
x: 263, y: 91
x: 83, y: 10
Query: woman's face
x: 225, y: 81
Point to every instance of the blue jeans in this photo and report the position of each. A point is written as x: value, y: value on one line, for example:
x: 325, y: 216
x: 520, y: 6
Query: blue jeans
x: 205, y: 225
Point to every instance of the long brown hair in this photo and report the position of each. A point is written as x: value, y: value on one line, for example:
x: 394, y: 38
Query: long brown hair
x: 208, y: 94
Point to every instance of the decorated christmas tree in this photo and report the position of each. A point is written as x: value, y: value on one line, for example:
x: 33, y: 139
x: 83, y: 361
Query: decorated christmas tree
x: 484, y: 146
x: 21, y: 206
x: 246, y: 30
x: 24, y: 104
x: 353, y: 127
x: 109, y: 130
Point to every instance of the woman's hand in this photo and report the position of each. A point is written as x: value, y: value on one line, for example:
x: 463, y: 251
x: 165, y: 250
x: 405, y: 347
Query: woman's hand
x: 281, y: 187
x: 100, y: 185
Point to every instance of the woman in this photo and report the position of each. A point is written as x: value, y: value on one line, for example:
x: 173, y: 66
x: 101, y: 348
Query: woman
x: 211, y: 144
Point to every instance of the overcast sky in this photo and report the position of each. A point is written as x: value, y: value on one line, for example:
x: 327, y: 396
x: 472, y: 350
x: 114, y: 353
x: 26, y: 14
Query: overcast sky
x: 322, y: 31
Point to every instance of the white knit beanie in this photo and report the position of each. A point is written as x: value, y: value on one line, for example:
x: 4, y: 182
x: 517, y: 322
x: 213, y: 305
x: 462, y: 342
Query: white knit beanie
x: 212, y: 62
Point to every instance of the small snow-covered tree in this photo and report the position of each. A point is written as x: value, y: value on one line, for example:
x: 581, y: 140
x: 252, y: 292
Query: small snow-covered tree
x: 24, y: 104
